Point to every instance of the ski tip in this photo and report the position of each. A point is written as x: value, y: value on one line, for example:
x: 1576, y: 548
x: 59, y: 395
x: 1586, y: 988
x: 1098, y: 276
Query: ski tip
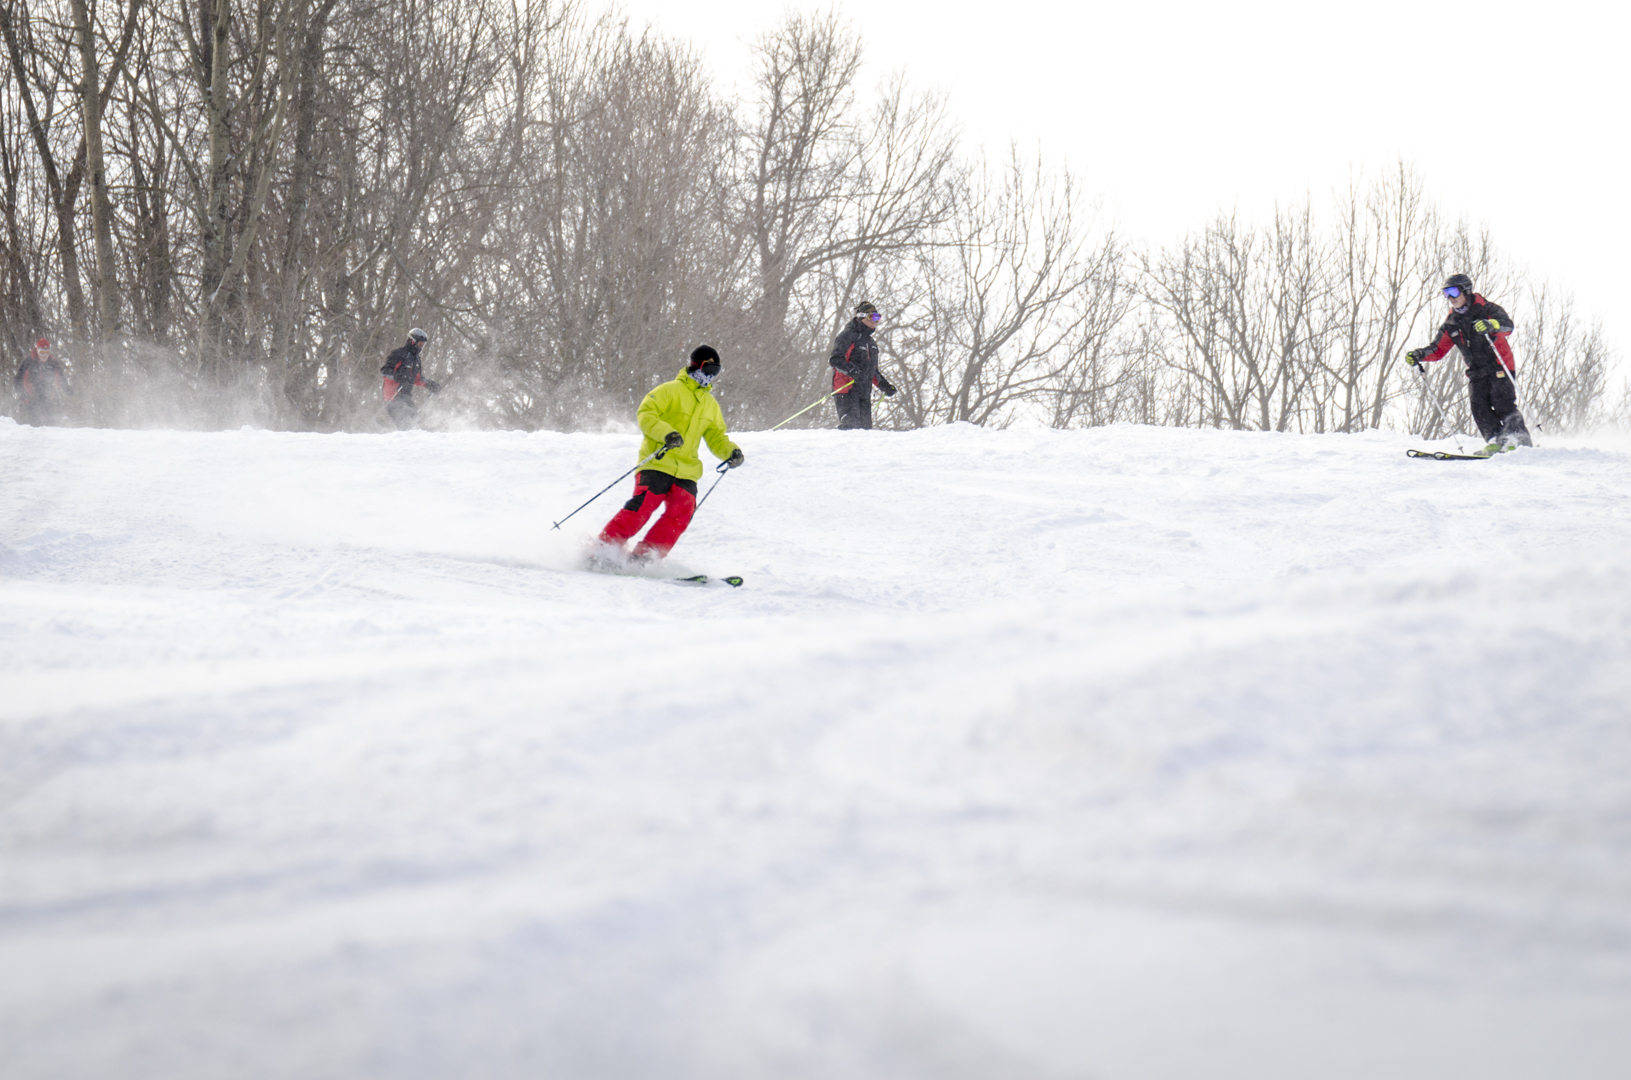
x: 734, y: 582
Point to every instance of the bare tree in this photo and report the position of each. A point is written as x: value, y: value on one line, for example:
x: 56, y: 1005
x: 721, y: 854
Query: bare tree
x: 1004, y: 295
x: 829, y: 194
x: 1248, y: 310
x: 607, y: 257
x: 148, y: 161
x: 1563, y: 366
x: 274, y: 192
x: 94, y: 91
x: 1385, y: 244
x: 39, y: 65
x: 22, y: 308
x: 1108, y: 374
x: 301, y: 378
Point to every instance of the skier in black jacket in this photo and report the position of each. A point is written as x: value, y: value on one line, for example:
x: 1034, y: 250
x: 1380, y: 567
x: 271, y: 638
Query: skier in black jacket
x: 402, y: 374
x: 1479, y: 329
x: 41, y: 383
x: 855, y: 369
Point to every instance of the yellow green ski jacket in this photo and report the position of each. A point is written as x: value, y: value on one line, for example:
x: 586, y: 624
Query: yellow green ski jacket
x: 691, y: 410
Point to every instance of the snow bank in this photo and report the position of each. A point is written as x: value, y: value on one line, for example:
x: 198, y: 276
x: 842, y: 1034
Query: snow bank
x: 1129, y: 752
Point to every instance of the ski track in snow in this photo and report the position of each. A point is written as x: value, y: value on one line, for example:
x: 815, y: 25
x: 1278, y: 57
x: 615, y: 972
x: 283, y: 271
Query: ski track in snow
x: 1129, y: 752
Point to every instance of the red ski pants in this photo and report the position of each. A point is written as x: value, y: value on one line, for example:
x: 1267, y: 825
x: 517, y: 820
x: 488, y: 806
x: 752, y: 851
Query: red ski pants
x: 677, y: 505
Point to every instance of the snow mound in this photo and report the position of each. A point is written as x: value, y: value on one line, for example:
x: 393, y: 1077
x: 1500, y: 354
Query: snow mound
x: 1127, y: 752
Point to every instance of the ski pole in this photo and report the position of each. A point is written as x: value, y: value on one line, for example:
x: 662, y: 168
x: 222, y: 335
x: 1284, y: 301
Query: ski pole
x: 660, y: 452
x: 1517, y: 385
x: 722, y: 468
x: 1517, y: 400
x: 1443, y: 418
x: 807, y: 408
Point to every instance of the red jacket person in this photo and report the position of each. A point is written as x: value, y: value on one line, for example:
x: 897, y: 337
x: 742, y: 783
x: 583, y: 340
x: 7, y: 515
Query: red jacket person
x: 402, y: 373
x: 1480, y: 329
x: 42, y: 387
x: 676, y: 417
x: 854, y: 362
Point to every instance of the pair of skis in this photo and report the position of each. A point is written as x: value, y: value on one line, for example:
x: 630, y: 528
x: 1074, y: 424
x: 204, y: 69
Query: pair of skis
x: 703, y: 579
x: 1439, y: 455
x: 698, y: 580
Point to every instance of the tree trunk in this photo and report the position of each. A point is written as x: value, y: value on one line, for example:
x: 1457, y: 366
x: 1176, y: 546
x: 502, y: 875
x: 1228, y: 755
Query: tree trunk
x: 105, y: 284
x: 217, y: 15
x: 286, y: 330
x: 63, y: 192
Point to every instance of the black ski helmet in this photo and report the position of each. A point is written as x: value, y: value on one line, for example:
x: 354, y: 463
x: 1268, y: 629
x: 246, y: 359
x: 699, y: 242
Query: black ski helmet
x: 1459, y: 281
x: 704, y: 354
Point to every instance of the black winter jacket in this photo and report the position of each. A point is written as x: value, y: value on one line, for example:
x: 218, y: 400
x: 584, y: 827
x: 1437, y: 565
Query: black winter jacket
x: 40, y: 380
x: 402, y: 366
x: 1480, y: 356
x: 855, y: 356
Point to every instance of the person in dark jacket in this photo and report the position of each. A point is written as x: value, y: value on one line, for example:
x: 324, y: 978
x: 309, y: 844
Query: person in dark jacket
x: 42, y: 387
x: 1480, y: 329
x: 855, y: 372
x: 402, y: 373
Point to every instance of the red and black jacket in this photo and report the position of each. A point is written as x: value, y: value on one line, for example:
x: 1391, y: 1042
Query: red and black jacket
x: 1480, y: 355
x: 40, y: 380
x: 401, y: 370
x: 855, y: 358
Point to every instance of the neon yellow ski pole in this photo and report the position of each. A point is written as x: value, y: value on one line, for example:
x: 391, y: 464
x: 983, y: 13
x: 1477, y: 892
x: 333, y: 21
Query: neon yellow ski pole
x: 817, y: 401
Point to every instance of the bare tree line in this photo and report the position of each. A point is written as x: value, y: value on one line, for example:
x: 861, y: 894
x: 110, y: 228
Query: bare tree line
x: 227, y: 212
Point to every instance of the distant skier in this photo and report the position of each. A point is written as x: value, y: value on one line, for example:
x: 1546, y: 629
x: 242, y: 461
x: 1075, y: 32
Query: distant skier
x: 1480, y: 329
x: 402, y: 374
x: 676, y: 417
x: 854, y: 362
x: 42, y: 387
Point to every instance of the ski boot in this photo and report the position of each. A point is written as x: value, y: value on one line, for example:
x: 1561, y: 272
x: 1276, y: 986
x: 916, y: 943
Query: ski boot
x: 1499, y: 446
x: 599, y: 557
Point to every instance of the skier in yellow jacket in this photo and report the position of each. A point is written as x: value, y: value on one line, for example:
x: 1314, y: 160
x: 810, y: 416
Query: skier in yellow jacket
x: 676, y: 417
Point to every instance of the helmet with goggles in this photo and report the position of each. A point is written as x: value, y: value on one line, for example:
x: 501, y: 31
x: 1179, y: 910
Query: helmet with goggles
x: 704, y: 364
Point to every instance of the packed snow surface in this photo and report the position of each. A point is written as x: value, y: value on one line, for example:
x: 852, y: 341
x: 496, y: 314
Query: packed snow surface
x: 1122, y: 753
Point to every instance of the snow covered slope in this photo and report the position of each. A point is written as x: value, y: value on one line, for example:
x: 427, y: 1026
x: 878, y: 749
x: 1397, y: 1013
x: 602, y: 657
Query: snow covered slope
x: 1128, y: 753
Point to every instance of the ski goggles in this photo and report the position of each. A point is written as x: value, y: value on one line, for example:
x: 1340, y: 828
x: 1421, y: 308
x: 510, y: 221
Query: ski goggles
x: 1452, y: 291
x: 876, y: 316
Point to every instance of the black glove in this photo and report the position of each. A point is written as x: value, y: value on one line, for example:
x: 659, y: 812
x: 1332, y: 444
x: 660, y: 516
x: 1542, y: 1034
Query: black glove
x: 735, y: 459
x: 433, y: 386
x: 673, y: 441
x: 1414, y: 356
x: 886, y: 386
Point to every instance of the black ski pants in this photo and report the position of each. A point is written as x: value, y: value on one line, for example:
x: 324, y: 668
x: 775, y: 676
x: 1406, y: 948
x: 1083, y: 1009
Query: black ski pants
x: 1494, y: 404
x: 402, y: 409
x: 854, y: 410
x: 42, y: 412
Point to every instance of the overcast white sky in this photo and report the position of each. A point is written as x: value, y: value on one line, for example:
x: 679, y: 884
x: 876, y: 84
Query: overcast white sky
x: 1515, y: 114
